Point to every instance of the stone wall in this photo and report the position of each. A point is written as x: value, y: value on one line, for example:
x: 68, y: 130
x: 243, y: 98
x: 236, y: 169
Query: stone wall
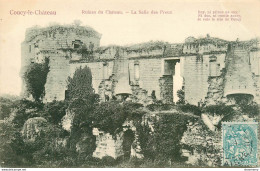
x: 150, y: 71
x: 46, y: 42
x: 254, y: 62
x: 201, y: 146
x: 33, y: 128
x: 196, y: 71
x: 239, y: 77
x: 166, y: 88
x: 146, y: 64
x: 107, y: 145
x: 57, y: 77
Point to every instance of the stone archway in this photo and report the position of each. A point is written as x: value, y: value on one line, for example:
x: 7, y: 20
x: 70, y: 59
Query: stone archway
x: 128, y: 139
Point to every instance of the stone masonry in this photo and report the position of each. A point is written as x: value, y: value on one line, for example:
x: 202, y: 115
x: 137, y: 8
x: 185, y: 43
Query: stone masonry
x: 71, y: 46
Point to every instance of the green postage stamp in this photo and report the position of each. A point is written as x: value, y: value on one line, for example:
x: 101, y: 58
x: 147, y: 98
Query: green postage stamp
x: 239, y: 143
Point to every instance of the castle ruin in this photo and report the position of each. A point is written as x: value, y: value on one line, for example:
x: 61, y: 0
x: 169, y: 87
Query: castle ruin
x: 212, y: 69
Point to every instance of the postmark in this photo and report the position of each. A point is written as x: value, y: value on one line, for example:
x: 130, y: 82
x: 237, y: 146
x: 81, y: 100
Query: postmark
x: 239, y: 140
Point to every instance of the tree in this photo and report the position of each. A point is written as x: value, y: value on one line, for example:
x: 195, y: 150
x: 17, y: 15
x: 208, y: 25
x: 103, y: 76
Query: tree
x: 80, y: 85
x: 82, y: 103
x: 36, y: 77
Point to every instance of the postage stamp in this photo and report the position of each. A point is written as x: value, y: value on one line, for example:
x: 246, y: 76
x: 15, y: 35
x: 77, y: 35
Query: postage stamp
x: 239, y: 143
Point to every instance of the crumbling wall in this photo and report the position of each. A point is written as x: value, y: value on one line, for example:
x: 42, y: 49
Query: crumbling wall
x: 46, y: 42
x: 62, y: 36
x: 254, y: 62
x: 56, y: 83
x: 196, y: 76
x: 166, y: 88
x: 196, y: 73
x: 239, y: 75
x: 33, y: 128
x: 201, y: 146
x: 107, y: 145
x: 215, y: 91
x: 150, y: 71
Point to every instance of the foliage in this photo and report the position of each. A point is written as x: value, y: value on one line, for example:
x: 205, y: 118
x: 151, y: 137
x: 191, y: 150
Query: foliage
x: 181, y: 95
x: 251, y: 109
x: 8, y: 157
x: 82, y: 102
x: 55, y: 110
x: 190, y: 108
x: 226, y: 111
x: 6, y: 106
x: 159, y: 106
x: 50, y: 150
x: 168, y: 131
x: 109, y: 116
x: 35, y: 78
x: 220, y: 109
x: 80, y: 85
x: 26, y: 109
x: 13, y: 150
x: 82, y: 120
x: 146, y: 140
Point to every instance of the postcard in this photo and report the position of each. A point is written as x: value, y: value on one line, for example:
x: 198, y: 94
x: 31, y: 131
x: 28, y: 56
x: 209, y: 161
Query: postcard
x: 129, y: 84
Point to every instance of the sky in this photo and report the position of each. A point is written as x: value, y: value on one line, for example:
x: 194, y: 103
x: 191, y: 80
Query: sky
x: 120, y: 29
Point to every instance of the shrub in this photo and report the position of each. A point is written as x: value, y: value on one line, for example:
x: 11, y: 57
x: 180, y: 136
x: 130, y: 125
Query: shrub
x: 109, y: 116
x: 83, y: 110
x: 80, y: 85
x: 35, y: 78
x: 190, y: 108
x: 26, y: 109
x: 108, y: 161
x: 146, y: 140
x: 56, y: 110
x: 252, y: 109
x: 221, y: 109
x: 181, y: 95
x: 160, y: 107
x: 8, y: 156
x: 168, y: 131
x: 6, y: 106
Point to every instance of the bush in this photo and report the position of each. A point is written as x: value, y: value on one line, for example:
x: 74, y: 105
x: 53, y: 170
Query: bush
x: 36, y: 77
x: 55, y: 110
x: 190, y: 108
x: 26, y: 109
x: 146, y: 140
x: 181, y: 95
x: 160, y: 107
x: 80, y: 85
x: 108, y: 161
x: 221, y: 109
x: 109, y: 116
x: 83, y: 110
x: 168, y: 131
x: 6, y: 106
x: 252, y: 109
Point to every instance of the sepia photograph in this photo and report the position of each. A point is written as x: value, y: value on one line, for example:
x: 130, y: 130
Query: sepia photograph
x: 129, y: 84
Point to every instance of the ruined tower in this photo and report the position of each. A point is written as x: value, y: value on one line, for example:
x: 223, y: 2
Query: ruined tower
x: 239, y: 79
x: 57, y: 43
